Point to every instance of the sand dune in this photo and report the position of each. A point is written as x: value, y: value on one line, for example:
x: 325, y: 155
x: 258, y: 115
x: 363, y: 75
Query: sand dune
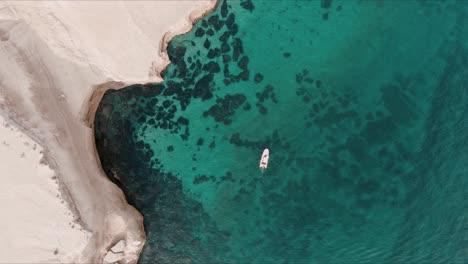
x: 53, y: 55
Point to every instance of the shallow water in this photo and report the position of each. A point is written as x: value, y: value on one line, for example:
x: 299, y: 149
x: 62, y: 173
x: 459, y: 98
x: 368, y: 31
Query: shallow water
x: 363, y: 105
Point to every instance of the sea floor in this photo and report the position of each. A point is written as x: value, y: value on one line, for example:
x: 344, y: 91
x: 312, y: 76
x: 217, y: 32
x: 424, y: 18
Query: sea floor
x: 363, y: 105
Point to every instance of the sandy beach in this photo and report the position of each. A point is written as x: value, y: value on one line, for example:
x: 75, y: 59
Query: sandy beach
x: 58, y: 58
x: 38, y: 225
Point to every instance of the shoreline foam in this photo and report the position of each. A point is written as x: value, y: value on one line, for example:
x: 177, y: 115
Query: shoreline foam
x: 50, y: 63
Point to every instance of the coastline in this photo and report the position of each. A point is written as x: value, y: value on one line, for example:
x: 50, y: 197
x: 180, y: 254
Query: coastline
x: 97, y: 92
x: 50, y: 108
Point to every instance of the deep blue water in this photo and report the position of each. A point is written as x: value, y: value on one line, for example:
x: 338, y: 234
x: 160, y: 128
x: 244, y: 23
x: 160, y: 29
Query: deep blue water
x: 363, y: 105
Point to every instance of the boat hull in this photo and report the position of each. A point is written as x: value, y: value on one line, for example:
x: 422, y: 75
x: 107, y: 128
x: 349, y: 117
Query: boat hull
x: 264, y: 159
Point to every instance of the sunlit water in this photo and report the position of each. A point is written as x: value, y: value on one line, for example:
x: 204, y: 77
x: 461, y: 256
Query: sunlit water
x: 363, y: 105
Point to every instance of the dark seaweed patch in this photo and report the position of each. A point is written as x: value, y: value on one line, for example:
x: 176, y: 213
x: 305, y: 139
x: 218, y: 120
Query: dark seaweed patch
x: 183, y: 121
x: 215, y: 22
x: 200, y: 179
x: 150, y: 90
x: 225, y: 36
x: 234, y: 29
x: 262, y: 109
x: 213, y: 53
x: 207, y: 44
x: 237, y: 48
x: 199, y: 33
x: 226, y: 58
x: 172, y: 89
x: 212, y: 145
x: 225, y: 108
x: 203, y: 87
x: 243, y: 63
x: 325, y: 16
x: 318, y: 83
x: 248, y: 5
x: 224, y: 9
x: 267, y: 93
x: 326, y: 4
x: 166, y: 103
x: 244, y: 75
x: 230, y: 20
x: 258, y: 78
x: 211, y: 67
x: 225, y: 48
x: 200, y: 142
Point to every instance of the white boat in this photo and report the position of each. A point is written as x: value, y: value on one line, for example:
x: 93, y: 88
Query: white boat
x: 264, y: 159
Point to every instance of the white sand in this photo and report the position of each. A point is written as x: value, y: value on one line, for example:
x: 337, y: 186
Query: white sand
x: 36, y: 224
x: 52, y: 55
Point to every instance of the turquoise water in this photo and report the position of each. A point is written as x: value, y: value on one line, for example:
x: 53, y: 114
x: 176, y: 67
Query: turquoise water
x: 363, y: 105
